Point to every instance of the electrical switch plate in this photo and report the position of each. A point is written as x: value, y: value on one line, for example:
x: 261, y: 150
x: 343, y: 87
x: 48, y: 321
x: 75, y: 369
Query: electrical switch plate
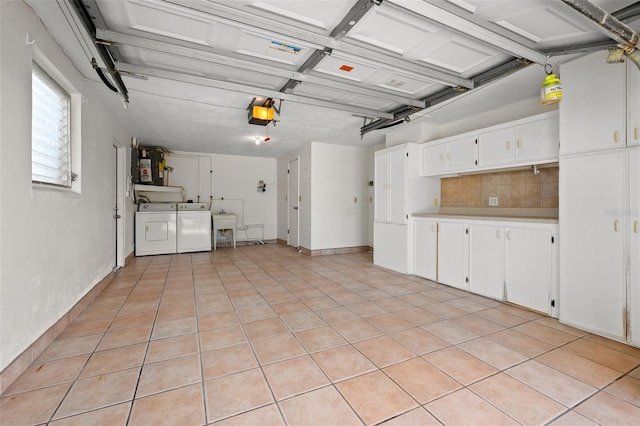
x: 493, y: 201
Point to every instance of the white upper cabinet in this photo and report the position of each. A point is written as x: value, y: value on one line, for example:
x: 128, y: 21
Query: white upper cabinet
x: 532, y: 140
x: 389, y: 185
x: 538, y: 140
x: 496, y: 147
x: 398, y: 188
x: 450, y: 155
x: 633, y: 104
x: 594, y: 103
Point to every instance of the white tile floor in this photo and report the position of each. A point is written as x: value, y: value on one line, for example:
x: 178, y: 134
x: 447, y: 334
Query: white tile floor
x: 262, y: 335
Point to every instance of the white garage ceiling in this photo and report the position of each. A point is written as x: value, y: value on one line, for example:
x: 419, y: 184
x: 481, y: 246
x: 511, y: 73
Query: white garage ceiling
x: 340, y: 71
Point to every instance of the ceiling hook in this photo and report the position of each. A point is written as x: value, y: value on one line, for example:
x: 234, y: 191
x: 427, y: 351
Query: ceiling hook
x: 548, y: 68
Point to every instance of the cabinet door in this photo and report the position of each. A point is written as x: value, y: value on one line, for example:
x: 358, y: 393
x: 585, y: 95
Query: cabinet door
x: 538, y: 140
x: 397, y: 170
x: 390, y: 246
x: 425, y: 248
x: 593, y: 107
x: 634, y: 246
x: 452, y: 254
x: 486, y: 260
x: 528, y: 271
x: 496, y: 148
x: 434, y: 159
x: 633, y: 104
x: 592, y: 261
x: 461, y: 154
x: 381, y: 187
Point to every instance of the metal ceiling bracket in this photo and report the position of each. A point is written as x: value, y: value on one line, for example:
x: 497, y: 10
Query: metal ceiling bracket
x: 251, y: 90
x: 610, y: 25
x: 446, y: 94
x: 357, y: 12
x: 105, y: 55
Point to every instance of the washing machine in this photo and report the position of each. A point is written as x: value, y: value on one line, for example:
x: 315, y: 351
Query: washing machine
x: 156, y: 229
x: 194, y: 227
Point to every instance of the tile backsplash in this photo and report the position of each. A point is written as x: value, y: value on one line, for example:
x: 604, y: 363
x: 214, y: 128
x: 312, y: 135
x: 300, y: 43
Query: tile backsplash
x: 516, y: 189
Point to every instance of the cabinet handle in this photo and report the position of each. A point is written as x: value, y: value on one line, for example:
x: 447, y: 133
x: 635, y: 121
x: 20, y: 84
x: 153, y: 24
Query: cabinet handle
x: 519, y: 143
x: 635, y: 227
x: 441, y: 157
x: 615, y: 136
x: 508, y: 235
x: 448, y: 156
x: 615, y: 225
x: 439, y: 227
x: 498, y: 234
x: 508, y: 144
x: 434, y: 228
x: 635, y: 133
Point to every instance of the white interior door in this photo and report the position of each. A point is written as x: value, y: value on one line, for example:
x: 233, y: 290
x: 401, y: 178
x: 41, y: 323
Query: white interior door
x: 293, y: 204
x: 118, y: 203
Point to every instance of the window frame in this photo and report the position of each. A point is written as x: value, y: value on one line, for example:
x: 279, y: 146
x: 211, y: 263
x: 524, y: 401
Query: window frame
x: 74, y: 126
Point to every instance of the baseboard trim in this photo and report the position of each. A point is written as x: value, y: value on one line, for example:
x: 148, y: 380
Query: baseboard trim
x: 340, y: 250
x: 29, y: 355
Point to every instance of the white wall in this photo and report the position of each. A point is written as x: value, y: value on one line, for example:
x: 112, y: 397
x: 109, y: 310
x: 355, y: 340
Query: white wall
x: 234, y: 177
x: 55, y: 245
x: 331, y: 176
x: 339, y: 196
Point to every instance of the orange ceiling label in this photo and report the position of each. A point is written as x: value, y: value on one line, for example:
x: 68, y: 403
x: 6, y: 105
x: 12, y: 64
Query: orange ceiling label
x: 346, y: 68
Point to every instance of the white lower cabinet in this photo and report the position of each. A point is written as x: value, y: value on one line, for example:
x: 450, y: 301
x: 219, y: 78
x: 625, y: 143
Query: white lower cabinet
x: 390, y: 242
x: 507, y: 260
x: 425, y: 248
x: 531, y: 267
x: 486, y: 260
x: 452, y: 254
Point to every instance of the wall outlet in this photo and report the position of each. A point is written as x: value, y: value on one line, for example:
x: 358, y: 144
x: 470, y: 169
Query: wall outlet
x: 493, y: 201
x: 435, y: 202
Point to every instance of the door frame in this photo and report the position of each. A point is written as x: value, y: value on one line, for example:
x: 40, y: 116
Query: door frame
x: 297, y: 160
x: 120, y: 179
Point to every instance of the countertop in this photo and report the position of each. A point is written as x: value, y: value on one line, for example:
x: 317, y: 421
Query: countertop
x: 509, y: 215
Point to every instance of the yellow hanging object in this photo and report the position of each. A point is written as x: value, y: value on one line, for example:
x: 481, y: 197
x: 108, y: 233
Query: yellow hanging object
x: 551, y: 91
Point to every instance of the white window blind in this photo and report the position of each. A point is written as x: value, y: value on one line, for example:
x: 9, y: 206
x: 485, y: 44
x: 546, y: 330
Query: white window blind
x: 50, y: 131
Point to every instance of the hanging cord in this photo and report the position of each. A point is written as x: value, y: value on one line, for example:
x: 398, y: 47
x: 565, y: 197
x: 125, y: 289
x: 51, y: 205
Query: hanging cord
x: 102, y: 76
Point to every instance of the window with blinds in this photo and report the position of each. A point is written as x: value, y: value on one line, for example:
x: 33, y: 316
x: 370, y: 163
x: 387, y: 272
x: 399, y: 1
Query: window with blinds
x: 50, y: 131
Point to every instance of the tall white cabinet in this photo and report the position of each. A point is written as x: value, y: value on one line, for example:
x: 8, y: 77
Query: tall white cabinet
x: 599, y: 192
x: 399, y: 191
